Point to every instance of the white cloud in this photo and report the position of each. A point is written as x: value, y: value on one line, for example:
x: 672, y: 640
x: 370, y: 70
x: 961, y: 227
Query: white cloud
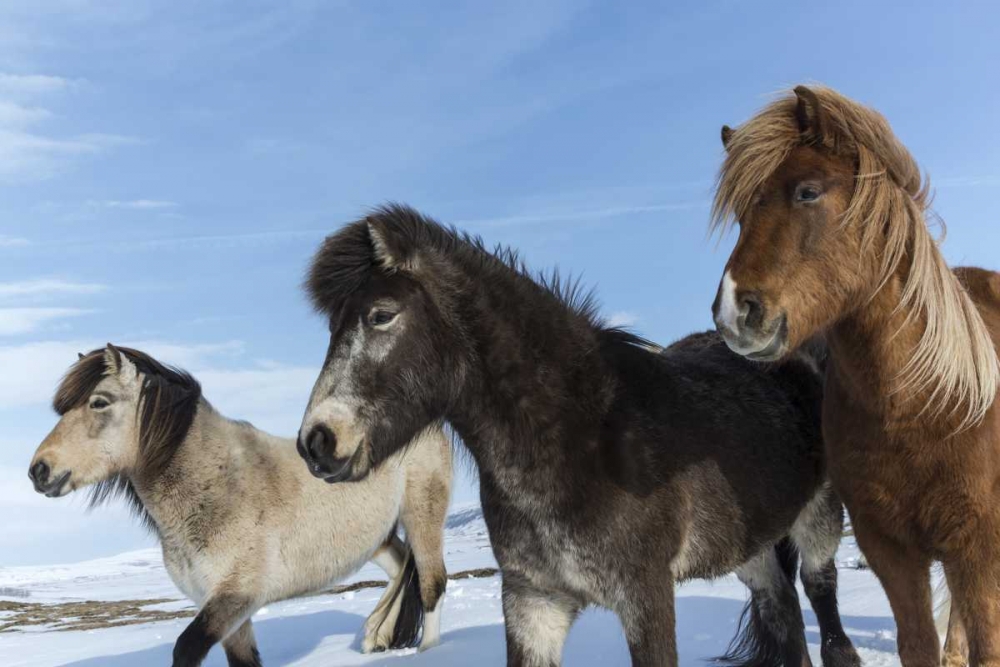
x: 622, y: 319
x: 30, y: 155
x: 26, y: 156
x: 139, y: 204
x: 24, y: 85
x: 14, y: 115
x: 13, y: 241
x: 45, y: 287
x: 575, y: 215
x: 16, y: 321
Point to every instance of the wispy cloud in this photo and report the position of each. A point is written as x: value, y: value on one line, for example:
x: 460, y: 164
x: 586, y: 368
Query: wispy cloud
x: 28, y: 156
x: 47, y: 287
x: 27, y: 153
x: 13, y: 241
x: 31, y: 85
x: 13, y: 115
x: 597, y: 213
x: 19, y: 321
x: 135, y: 204
x: 965, y: 181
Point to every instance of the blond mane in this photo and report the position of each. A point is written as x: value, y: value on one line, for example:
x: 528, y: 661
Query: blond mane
x: 955, y: 360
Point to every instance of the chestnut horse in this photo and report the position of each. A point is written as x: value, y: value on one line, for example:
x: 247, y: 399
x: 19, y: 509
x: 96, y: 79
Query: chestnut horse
x: 833, y: 239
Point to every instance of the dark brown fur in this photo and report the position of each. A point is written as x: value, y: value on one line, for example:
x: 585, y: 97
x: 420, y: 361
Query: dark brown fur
x: 607, y: 470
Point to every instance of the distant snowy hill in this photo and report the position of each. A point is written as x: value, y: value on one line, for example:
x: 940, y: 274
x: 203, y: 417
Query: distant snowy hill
x: 322, y: 630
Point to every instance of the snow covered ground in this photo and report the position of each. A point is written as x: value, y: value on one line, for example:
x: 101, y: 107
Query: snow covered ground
x: 322, y: 630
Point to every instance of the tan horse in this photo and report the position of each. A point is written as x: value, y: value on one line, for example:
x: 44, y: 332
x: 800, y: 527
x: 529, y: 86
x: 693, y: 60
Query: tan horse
x: 241, y: 521
x: 833, y: 238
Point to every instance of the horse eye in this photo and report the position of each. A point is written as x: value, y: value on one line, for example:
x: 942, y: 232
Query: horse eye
x: 807, y: 193
x: 379, y: 318
x: 99, y: 404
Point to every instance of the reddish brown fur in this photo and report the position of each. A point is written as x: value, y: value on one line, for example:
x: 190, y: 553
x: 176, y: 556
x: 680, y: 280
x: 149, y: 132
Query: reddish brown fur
x: 920, y: 486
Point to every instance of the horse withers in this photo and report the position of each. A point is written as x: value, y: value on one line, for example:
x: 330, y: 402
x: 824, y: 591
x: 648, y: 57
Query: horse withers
x: 241, y: 522
x: 608, y: 470
x: 833, y: 238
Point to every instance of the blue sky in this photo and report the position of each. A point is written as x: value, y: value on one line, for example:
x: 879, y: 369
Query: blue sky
x: 167, y: 169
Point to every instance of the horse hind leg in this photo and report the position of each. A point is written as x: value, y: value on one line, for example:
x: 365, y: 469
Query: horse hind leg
x: 423, y: 515
x: 816, y: 534
x: 381, y: 630
x: 241, y: 647
x: 771, y: 631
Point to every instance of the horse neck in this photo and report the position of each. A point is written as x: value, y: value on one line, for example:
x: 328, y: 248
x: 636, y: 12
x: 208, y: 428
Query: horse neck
x: 869, y: 350
x: 538, y: 372
x: 168, y: 495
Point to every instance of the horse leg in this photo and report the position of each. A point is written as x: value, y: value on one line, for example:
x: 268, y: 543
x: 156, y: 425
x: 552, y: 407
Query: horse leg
x: 241, y: 647
x: 905, y: 576
x: 217, y: 618
x: 536, y: 623
x: 650, y: 624
x: 817, y: 533
x: 772, y: 631
x: 956, y: 643
x: 424, y: 511
x: 381, y: 623
x: 975, y: 590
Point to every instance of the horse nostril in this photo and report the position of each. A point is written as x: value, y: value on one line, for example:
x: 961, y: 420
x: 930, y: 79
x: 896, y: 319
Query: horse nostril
x: 319, y: 441
x: 39, y: 472
x: 751, y: 310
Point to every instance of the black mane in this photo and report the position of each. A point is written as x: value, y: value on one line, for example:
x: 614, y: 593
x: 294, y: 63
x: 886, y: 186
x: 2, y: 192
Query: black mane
x: 168, y: 401
x: 346, y: 259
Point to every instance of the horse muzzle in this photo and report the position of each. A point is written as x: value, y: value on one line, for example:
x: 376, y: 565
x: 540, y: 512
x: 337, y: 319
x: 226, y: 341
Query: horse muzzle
x: 318, y: 449
x: 52, y: 486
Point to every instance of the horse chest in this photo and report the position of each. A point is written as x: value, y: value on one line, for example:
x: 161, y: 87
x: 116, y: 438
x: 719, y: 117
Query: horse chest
x: 187, y: 571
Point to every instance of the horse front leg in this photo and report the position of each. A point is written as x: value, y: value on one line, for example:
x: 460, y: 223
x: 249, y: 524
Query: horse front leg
x: 218, y: 617
x: 905, y: 574
x: 536, y: 623
x: 975, y: 589
x: 649, y: 623
x: 956, y: 643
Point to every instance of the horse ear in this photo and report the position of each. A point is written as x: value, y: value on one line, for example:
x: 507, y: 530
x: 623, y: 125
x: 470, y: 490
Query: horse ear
x: 112, y: 359
x: 119, y: 364
x: 727, y: 135
x: 809, y: 115
x: 390, y: 251
x: 79, y: 356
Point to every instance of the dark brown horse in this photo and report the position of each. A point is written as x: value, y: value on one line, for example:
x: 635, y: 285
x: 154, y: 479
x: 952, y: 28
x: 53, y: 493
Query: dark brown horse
x: 833, y: 238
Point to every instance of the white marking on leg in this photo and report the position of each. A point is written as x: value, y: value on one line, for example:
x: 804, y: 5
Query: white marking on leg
x: 542, y: 626
x: 729, y: 310
x: 432, y: 627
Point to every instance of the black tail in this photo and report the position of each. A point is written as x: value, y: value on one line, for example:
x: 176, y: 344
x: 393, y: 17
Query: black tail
x: 788, y: 557
x: 410, y: 621
x: 754, y: 645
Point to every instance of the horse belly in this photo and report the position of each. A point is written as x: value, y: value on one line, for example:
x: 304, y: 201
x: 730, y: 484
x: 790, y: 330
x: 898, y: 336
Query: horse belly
x: 338, y: 529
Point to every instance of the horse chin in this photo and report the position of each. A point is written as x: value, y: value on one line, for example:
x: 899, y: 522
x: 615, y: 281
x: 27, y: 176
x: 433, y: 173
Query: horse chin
x: 59, y: 487
x: 352, y: 469
x: 766, y: 347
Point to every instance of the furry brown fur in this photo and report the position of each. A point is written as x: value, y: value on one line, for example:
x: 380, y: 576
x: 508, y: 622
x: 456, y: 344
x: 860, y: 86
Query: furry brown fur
x: 833, y: 239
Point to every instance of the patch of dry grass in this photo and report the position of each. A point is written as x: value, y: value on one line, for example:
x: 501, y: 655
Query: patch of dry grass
x: 93, y: 615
